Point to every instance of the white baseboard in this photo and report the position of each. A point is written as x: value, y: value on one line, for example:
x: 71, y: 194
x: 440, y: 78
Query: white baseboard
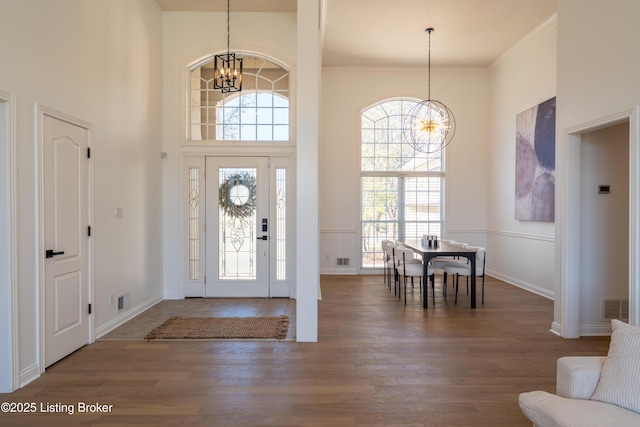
x: 28, y: 374
x: 174, y: 295
x: 126, y: 316
x: 538, y: 290
x: 341, y: 270
x: 603, y: 330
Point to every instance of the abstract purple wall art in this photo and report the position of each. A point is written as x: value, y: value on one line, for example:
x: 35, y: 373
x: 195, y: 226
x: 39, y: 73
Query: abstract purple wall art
x: 536, y: 162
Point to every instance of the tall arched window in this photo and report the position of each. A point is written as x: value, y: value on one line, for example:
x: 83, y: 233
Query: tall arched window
x: 401, y: 190
x: 260, y: 112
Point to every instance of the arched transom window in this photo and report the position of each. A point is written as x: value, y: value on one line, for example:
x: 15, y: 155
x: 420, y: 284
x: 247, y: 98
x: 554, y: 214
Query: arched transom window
x: 260, y: 112
x: 401, y: 190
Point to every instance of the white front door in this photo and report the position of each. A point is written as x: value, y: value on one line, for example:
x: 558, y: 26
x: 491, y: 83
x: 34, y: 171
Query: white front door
x: 66, y: 242
x: 238, y: 227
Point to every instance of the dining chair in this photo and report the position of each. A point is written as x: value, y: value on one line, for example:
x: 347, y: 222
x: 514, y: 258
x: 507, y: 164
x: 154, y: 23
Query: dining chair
x: 444, y: 261
x: 390, y: 264
x: 408, y: 266
x: 441, y: 261
x: 397, y: 261
x: 386, y: 258
x: 465, y: 269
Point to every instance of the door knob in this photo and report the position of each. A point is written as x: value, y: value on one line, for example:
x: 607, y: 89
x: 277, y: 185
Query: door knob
x: 263, y: 237
x: 49, y: 253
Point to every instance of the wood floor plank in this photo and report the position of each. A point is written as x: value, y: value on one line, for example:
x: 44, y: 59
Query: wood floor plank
x: 377, y: 363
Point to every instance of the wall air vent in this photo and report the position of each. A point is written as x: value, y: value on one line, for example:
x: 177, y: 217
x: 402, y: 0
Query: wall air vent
x: 615, y: 308
x: 123, y: 301
x: 343, y: 261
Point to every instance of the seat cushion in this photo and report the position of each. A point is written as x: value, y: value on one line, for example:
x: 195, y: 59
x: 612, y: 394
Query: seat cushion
x: 442, y: 262
x: 414, y: 269
x: 620, y: 377
x: 549, y: 410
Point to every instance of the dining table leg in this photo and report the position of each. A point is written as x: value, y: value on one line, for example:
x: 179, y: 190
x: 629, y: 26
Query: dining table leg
x: 425, y: 277
x: 473, y: 281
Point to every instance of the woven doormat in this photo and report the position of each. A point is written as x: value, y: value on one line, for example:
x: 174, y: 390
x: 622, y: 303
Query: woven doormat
x: 198, y: 328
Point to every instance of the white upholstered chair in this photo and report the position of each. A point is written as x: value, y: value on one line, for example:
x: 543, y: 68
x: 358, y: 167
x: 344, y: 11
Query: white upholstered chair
x: 390, y: 265
x: 444, y: 261
x: 386, y: 256
x: 409, y: 267
x: 464, y: 269
x: 593, y: 391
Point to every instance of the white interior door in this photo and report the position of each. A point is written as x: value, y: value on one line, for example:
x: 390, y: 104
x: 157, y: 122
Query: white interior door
x: 7, y: 247
x: 66, y: 221
x: 237, y: 227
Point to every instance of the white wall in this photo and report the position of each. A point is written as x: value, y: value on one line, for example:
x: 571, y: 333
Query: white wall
x: 345, y: 92
x: 597, y: 79
x: 519, y: 252
x: 604, y: 223
x: 100, y: 62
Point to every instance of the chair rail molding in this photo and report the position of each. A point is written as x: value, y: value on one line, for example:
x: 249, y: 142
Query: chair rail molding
x: 338, y: 231
x: 521, y: 235
x: 466, y: 230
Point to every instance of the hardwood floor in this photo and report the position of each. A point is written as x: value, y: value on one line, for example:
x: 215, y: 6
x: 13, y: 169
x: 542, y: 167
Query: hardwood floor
x: 377, y: 363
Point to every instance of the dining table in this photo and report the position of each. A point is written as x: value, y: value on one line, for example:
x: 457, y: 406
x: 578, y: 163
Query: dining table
x: 442, y: 249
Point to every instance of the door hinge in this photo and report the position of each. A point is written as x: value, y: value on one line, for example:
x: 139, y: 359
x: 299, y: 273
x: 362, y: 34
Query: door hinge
x: 205, y: 227
x: 89, y: 231
x: 205, y: 280
x: 88, y: 152
x: 89, y: 308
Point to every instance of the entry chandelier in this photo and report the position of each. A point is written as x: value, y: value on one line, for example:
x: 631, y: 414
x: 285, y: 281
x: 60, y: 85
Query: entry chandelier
x: 429, y: 126
x: 228, y: 68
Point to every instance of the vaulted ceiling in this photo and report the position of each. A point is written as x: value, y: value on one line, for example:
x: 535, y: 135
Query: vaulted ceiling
x: 391, y: 33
